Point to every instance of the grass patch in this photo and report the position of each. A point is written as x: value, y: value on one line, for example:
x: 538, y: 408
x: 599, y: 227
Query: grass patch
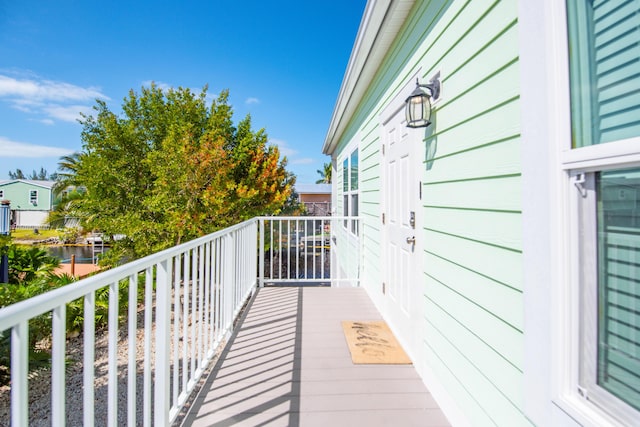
x: 27, y: 234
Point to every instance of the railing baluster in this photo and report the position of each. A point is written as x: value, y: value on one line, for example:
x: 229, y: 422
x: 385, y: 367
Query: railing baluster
x: 228, y: 282
x: 237, y: 244
x: 238, y: 266
x: 185, y: 323
x: 89, y: 359
x: 193, y: 312
x: 255, y: 249
x: 323, y: 254
x: 272, y: 248
x: 112, y: 389
x: 148, y: 328
x: 289, y: 264
x: 261, y: 247
x: 58, y: 337
x: 212, y: 297
x: 163, y: 324
x: 207, y: 296
x: 315, y: 246
x: 201, y: 311
x: 306, y: 249
x: 280, y: 249
x: 176, y: 330
x: 132, y: 365
x: 218, y: 287
x: 19, y: 374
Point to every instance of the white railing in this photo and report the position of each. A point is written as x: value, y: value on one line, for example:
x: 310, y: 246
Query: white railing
x: 191, y: 295
x: 178, y: 309
x: 303, y: 250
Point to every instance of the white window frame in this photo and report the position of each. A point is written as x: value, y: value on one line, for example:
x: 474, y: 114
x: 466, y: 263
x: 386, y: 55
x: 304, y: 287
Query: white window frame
x: 33, y: 200
x: 349, y: 208
x: 583, y: 243
x: 551, y: 234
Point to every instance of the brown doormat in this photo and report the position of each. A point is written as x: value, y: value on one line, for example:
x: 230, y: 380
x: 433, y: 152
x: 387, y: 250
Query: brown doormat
x: 373, y: 343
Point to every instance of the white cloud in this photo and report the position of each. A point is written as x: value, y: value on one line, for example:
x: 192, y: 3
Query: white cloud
x: 69, y: 113
x: 15, y: 149
x: 252, y: 100
x: 285, y: 150
x: 46, y: 90
x: 303, y: 161
x: 48, y: 122
x: 52, y: 99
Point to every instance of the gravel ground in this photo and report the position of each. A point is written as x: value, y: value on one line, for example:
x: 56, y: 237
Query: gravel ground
x: 40, y: 381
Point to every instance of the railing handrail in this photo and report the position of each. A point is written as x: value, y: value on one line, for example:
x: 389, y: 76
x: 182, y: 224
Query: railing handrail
x: 15, y: 313
x: 35, y: 306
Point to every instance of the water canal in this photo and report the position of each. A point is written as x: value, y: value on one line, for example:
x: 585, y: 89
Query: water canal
x: 83, y: 253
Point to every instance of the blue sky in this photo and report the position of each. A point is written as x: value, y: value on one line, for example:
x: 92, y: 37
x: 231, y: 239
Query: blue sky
x: 282, y: 61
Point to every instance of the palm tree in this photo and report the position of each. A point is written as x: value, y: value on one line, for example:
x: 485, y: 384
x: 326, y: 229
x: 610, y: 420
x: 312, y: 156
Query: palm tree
x: 68, y: 206
x: 68, y: 172
x: 325, y: 173
x: 28, y: 264
x: 67, y: 189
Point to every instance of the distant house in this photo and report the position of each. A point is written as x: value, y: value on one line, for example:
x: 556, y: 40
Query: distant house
x: 31, y: 201
x: 315, y: 197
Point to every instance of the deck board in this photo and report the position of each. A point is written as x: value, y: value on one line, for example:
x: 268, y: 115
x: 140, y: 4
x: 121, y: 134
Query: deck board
x: 289, y: 365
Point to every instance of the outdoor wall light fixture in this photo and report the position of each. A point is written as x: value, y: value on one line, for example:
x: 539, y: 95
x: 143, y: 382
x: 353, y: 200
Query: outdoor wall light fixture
x: 418, y: 104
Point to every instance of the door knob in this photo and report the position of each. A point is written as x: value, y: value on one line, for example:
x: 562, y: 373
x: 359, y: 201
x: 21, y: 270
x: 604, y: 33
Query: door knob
x: 411, y: 240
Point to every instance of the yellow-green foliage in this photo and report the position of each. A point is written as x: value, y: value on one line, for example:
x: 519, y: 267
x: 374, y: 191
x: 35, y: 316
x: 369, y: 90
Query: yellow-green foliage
x: 28, y: 234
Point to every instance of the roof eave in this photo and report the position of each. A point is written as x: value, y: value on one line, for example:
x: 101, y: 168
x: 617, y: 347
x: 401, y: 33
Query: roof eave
x: 381, y: 22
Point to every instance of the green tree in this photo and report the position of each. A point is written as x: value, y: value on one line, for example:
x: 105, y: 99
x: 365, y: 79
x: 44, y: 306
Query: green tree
x: 18, y: 174
x: 171, y: 169
x: 41, y: 175
x: 325, y: 174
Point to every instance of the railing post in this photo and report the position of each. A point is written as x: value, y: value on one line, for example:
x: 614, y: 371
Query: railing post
x: 163, y: 319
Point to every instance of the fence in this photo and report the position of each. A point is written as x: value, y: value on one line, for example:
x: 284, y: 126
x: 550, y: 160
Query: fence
x: 303, y: 250
x: 191, y: 295
x: 180, y: 305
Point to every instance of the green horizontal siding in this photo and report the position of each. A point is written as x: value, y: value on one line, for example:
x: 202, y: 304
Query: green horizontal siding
x: 18, y: 193
x: 471, y: 380
x: 500, y: 193
x: 489, y: 261
x: 471, y: 198
x: 503, y: 302
x: 472, y: 211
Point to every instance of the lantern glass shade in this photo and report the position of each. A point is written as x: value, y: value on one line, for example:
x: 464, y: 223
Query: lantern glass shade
x: 418, y: 109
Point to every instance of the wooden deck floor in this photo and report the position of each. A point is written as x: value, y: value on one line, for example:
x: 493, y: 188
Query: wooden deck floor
x: 289, y: 365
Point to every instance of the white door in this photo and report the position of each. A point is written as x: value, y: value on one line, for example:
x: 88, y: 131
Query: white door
x: 402, y: 225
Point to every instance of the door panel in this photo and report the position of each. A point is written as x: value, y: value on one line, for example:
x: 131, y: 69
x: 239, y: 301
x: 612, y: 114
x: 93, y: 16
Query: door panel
x: 401, y: 171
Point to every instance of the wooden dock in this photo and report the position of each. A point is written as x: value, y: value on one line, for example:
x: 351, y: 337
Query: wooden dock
x: 78, y: 270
